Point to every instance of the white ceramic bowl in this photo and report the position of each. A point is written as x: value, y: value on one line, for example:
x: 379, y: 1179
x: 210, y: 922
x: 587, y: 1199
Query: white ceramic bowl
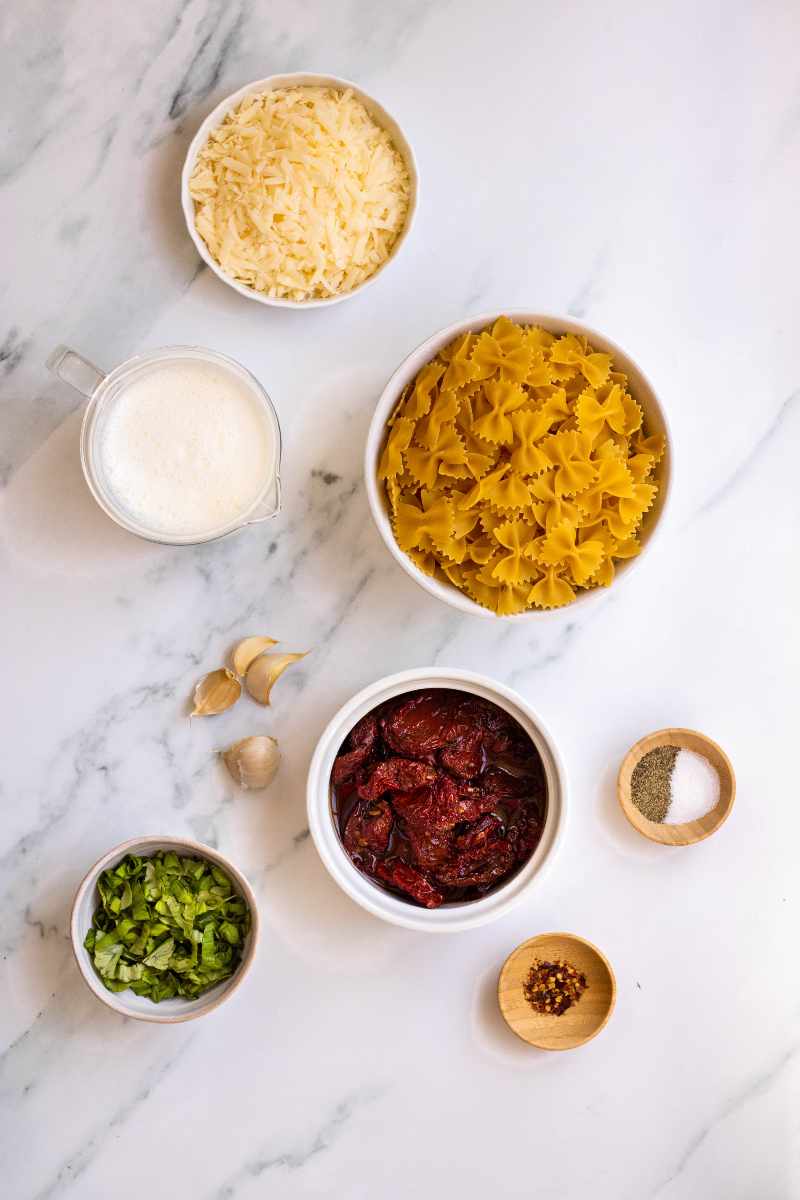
x: 296, y: 79
x: 641, y: 389
x: 450, y: 918
x: 167, y: 1012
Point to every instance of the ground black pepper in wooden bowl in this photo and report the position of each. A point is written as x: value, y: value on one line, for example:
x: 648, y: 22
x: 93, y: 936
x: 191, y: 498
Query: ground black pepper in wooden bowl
x: 650, y: 782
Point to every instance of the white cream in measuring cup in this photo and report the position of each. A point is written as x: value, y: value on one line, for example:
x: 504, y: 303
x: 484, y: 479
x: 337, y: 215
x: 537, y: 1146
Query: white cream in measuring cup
x: 178, y: 446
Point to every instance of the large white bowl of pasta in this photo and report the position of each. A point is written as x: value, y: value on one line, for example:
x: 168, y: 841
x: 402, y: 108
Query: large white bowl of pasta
x: 517, y: 464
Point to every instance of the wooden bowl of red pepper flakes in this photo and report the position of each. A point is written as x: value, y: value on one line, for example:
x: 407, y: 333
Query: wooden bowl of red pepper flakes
x: 562, y: 973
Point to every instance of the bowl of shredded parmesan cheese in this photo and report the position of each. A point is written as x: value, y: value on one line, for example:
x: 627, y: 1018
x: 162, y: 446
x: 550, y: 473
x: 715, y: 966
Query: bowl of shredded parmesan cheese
x: 299, y: 189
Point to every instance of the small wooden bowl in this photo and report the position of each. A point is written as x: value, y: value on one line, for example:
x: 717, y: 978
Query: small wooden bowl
x: 578, y: 1024
x: 691, y: 831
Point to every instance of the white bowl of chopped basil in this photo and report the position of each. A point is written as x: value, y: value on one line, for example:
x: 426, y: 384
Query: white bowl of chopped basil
x: 164, y: 929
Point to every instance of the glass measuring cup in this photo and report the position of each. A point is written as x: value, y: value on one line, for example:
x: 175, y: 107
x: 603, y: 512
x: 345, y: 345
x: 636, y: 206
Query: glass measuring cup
x: 101, y: 390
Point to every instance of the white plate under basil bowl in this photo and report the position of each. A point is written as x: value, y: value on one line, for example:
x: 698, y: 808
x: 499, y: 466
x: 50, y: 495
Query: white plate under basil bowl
x: 127, y: 1004
x: 655, y: 420
x: 449, y: 918
x: 271, y: 83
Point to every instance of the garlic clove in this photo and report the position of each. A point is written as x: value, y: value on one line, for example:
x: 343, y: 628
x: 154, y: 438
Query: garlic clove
x: 253, y: 761
x: 264, y: 671
x: 248, y: 649
x: 215, y: 693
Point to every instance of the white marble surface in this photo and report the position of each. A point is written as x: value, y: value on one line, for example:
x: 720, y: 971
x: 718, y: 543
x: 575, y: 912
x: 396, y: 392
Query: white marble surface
x: 636, y: 165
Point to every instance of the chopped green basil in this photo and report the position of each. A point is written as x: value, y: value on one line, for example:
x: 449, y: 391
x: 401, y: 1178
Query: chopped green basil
x: 166, y: 926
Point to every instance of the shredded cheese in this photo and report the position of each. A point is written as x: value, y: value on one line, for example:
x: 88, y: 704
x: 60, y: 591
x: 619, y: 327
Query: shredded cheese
x: 299, y: 193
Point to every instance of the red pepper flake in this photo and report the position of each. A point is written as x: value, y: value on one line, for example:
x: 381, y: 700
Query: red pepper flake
x: 553, y: 987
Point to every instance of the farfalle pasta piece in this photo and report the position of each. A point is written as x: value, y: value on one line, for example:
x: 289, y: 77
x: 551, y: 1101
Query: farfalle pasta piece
x: 571, y: 350
x: 397, y: 490
x: 550, y: 408
x: 540, y: 373
x: 454, y: 546
x: 426, y: 560
x: 483, y: 593
x: 608, y: 408
x: 461, y: 370
x: 478, y: 464
x: 498, y: 354
x: 502, y: 399
x: 512, y: 599
x: 648, y: 452
x: 511, y: 568
x: 617, y: 524
x: 528, y: 427
x: 517, y: 467
x: 490, y: 520
x: 568, y: 452
x: 593, y: 413
x: 509, y: 492
x: 655, y: 445
x: 540, y: 340
x: 504, y: 598
x: 613, y: 479
x: 399, y: 406
x: 465, y: 424
x: 453, y: 573
x: 397, y: 443
x: 633, y: 507
x: 416, y: 527
x: 561, y: 546
x: 426, y: 465
x: 443, y: 411
x: 604, y: 575
x: 552, y: 590
x: 420, y: 400
x: 481, y: 550
x: 612, y: 447
x: 633, y: 415
x: 483, y: 488
x: 550, y: 509
x: 640, y: 466
x: 613, y: 549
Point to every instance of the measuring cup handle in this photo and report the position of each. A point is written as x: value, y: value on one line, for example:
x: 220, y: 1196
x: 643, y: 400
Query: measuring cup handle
x: 270, y: 505
x: 74, y: 370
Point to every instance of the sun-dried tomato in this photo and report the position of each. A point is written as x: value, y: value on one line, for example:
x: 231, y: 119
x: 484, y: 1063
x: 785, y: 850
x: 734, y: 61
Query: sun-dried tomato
x: 465, y: 757
x: 501, y: 783
x: 425, y: 722
x: 486, y: 829
x: 429, y: 847
x: 395, y: 775
x: 529, y: 835
x: 408, y: 879
x: 369, y: 827
x: 441, y: 805
x: 439, y: 795
x: 479, y: 867
x: 361, y: 740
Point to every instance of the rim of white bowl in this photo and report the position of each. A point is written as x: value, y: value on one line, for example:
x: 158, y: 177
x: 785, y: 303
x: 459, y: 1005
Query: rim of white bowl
x: 642, y: 389
x: 298, y: 79
x: 450, y: 918
x: 167, y: 1012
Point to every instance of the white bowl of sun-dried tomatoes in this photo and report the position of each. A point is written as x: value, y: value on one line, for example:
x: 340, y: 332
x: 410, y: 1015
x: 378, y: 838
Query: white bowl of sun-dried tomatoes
x: 435, y: 799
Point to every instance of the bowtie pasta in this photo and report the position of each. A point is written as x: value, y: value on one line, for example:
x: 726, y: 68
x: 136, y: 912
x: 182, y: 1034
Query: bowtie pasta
x: 518, y: 469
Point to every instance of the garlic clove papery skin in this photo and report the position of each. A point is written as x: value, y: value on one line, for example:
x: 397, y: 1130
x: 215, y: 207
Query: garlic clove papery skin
x: 264, y: 672
x: 215, y: 693
x: 249, y: 649
x: 253, y: 761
